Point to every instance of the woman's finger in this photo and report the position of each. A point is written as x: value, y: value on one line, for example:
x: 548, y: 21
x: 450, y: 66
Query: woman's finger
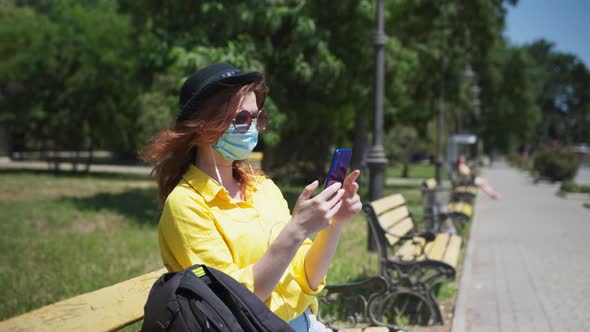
x: 307, y: 191
x: 334, y: 209
x: 328, y: 192
x: 351, y: 178
x: 357, y: 206
x: 353, y: 189
x: 335, y: 198
x: 355, y: 201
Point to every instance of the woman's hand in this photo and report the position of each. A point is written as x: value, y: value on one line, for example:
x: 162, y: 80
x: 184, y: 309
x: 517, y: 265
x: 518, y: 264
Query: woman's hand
x: 351, y: 202
x: 312, y: 215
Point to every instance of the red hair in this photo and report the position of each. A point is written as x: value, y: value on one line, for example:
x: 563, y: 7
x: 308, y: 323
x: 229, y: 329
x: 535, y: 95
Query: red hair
x: 174, y: 149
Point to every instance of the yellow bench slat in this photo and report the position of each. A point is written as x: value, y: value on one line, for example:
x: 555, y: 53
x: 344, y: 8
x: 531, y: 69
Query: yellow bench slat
x: 106, y: 309
x: 389, y: 219
x: 466, y: 190
x: 401, y: 228
x: 460, y: 207
x: 386, y: 203
x: 436, y: 249
x: 452, y: 253
x: 411, y: 249
x: 430, y: 183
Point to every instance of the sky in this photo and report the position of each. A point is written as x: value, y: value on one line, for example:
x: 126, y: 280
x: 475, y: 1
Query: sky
x: 566, y: 23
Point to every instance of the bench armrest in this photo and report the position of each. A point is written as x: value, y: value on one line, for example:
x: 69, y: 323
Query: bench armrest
x: 375, y: 284
x: 428, y: 236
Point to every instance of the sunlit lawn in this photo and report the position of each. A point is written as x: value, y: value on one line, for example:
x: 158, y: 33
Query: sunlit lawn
x: 65, y: 235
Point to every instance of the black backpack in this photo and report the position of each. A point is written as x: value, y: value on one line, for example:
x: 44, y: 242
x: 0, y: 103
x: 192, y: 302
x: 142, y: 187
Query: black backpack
x: 201, y: 298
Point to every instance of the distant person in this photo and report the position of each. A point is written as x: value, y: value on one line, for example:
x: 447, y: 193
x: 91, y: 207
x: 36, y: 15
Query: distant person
x: 465, y: 174
x: 221, y: 212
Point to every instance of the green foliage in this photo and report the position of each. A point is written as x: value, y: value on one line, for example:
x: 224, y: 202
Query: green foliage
x: 446, y: 290
x: 556, y: 163
x: 565, y: 84
x: 571, y: 186
x: 105, y: 74
x: 399, y: 142
x: 511, y: 84
x: 71, y: 72
x: 157, y: 109
x: 521, y: 161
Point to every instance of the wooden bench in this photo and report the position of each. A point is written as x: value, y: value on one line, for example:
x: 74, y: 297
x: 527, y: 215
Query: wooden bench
x: 107, y: 309
x: 415, y: 263
x: 120, y: 305
x: 463, y: 189
x: 434, y: 198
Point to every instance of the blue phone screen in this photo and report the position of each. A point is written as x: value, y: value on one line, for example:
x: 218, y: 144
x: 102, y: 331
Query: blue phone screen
x: 339, y: 166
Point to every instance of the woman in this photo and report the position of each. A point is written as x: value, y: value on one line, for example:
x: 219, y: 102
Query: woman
x: 220, y: 212
x: 465, y: 175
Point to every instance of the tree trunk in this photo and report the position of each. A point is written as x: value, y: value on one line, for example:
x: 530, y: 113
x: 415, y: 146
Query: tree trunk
x: 4, y: 142
x: 55, y: 159
x: 90, y: 158
x: 405, y: 169
x: 76, y: 160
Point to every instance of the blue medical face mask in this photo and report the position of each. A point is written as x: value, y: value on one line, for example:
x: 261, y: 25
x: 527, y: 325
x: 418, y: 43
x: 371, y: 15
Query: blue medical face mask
x: 233, y: 145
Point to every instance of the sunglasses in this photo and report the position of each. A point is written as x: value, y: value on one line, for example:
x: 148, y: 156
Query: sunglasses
x: 244, y: 119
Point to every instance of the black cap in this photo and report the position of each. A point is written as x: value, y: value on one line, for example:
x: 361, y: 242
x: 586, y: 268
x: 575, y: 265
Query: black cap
x: 206, y: 82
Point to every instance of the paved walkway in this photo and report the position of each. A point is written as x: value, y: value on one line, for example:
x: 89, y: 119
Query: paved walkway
x: 583, y: 176
x: 528, y: 260
x: 43, y: 166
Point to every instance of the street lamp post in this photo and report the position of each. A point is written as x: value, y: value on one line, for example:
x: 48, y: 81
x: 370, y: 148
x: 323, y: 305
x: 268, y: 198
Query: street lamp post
x: 376, y: 157
x: 439, y: 123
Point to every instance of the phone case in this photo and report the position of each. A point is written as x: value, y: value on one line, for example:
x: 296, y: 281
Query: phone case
x: 339, y: 166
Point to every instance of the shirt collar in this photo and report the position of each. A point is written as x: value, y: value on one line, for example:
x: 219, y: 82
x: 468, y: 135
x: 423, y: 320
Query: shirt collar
x: 202, y: 183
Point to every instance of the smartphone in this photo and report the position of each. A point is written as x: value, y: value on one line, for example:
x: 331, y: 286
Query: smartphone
x: 338, y: 167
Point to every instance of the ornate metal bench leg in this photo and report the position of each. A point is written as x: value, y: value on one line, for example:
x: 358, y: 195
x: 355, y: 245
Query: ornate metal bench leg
x: 406, y: 307
x: 411, y: 296
x: 437, y: 314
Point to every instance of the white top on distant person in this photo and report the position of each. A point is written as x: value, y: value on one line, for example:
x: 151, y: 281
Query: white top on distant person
x: 465, y: 172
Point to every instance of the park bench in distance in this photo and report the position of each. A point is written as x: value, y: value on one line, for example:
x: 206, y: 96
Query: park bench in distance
x: 459, y: 205
x: 117, y: 306
x: 414, y: 263
x: 463, y: 190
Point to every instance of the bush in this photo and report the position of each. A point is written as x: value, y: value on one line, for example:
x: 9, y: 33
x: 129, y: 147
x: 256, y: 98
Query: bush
x: 573, y: 187
x: 520, y: 161
x: 556, y: 164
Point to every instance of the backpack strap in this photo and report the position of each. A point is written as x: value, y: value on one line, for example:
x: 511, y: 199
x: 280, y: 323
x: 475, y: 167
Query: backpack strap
x: 157, y: 316
x: 211, y: 305
x: 246, y: 305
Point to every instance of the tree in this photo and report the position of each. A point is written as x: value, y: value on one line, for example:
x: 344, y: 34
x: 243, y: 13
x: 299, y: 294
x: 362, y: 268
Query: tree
x: 564, y: 98
x: 510, y: 81
x: 77, y: 83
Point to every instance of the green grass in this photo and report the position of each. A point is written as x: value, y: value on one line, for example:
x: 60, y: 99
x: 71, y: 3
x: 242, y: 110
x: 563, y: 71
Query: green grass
x: 571, y: 186
x: 67, y: 235
x: 62, y: 236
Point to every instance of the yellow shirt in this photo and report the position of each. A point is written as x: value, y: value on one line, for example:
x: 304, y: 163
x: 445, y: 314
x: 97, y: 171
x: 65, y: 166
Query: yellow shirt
x: 201, y: 225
